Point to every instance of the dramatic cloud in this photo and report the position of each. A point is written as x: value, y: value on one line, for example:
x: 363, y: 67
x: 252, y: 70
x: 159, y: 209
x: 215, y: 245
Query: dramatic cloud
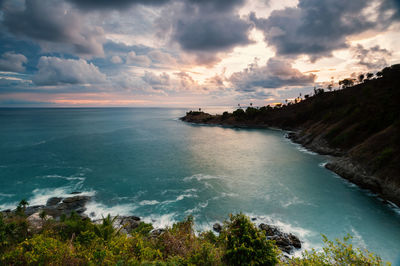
x: 12, y: 62
x: 374, y: 58
x: 275, y: 74
x: 205, y: 28
x: 137, y: 60
x: 316, y: 28
x: 116, y: 59
x: 55, y: 25
x: 57, y: 71
x: 114, y: 4
x: 122, y: 4
x: 157, y: 82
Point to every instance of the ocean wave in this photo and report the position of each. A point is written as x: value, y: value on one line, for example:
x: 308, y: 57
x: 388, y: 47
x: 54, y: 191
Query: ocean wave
x: 198, y: 208
x: 305, y: 150
x: 323, y: 164
x: 40, y: 196
x: 302, y: 233
x: 161, y: 220
x: 200, y: 177
x: 148, y: 202
x: 70, y: 178
x: 6, y: 195
x: 96, y: 210
x: 8, y: 206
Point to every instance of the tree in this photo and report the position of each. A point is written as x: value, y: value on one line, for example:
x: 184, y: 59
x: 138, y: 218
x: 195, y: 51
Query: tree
x: 361, y: 78
x: 345, y: 83
x: 246, y: 244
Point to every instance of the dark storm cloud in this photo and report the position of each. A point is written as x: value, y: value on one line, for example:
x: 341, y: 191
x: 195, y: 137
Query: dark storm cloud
x: 206, y: 28
x: 121, y: 4
x: 114, y: 4
x: 275, y: 74
x: 52, y: 22
x: 11, y: 61
x: 214, y: 33
x: 316, y: 28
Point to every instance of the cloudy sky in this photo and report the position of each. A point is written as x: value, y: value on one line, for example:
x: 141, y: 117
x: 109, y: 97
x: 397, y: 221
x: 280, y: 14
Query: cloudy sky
x: 187, y: 53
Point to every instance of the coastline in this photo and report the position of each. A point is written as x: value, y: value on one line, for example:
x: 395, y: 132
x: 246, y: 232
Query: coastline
x: 339, y: 162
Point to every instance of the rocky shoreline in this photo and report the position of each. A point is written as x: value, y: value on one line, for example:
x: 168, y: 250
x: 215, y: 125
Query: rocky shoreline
x: 339, y: 162
x: 347, y: 168
x: 57, y: 207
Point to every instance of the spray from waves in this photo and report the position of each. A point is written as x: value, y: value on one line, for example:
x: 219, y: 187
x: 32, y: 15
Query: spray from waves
x: 161, y: 220
x: 302, y: 233
x: 8, y: 206
x: 97, y: 210
x: 40, y: 196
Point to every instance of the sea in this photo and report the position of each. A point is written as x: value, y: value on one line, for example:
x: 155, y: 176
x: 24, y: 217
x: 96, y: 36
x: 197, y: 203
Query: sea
x: 148, y: 163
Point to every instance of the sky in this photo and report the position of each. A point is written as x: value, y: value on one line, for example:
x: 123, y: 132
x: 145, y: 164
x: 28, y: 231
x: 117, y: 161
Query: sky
x: 187, y: 53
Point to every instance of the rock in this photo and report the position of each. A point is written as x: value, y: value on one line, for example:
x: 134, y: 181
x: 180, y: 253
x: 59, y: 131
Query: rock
x: 156, y: 232
x: 217, y: 227
x: 295, y: 241
x: 285, y: 242
x: 32, y: 209
x: 35, y: 222
x: 128, y: 223
x: 53, y: 201
x: 75, y: 192
x: 270, y: 230
x: 253, y: 219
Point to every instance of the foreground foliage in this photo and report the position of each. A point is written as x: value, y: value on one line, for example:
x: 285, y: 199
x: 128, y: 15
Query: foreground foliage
x: 77, y: 241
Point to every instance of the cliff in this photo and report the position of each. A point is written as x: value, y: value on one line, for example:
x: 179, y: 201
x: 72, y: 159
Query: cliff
x: 358, y: 125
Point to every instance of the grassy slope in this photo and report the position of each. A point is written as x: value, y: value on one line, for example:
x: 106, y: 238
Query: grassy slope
x: 362, y: 121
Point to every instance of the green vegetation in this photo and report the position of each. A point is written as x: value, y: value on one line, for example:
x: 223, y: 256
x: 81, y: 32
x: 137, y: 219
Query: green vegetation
x: 77, y: 241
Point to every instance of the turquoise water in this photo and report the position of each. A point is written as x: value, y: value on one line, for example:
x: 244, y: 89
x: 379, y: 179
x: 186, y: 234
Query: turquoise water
x: 147, y: 163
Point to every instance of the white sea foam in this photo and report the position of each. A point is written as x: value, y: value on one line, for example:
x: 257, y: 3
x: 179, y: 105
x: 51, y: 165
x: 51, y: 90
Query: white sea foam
x: 70, y: 178
x: 40, y: 196
x: 200, y: 177
x: 357, y: 239
x: 322, y: 165
x: 199, y: 206
x: 304, y: 150
x: 161, y: 221
x: 394, y: 207
x: 10, y: 205
x: 96, y: 210
x: 148, y: 202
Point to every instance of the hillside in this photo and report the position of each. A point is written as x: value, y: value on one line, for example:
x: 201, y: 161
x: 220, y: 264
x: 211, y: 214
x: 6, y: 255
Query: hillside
x: 359, y: 125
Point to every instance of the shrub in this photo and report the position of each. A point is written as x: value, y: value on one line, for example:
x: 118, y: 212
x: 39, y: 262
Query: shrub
x: 337, y: 253
x: 245, y: 244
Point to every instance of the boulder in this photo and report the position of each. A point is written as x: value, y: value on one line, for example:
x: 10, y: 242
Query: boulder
x: 285, y: 242
x: 53, y: 201
x: 35, y: 222
x: 217, y: 227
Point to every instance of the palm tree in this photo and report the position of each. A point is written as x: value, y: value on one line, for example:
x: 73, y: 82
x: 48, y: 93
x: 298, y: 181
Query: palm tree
x: 23, y: 203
